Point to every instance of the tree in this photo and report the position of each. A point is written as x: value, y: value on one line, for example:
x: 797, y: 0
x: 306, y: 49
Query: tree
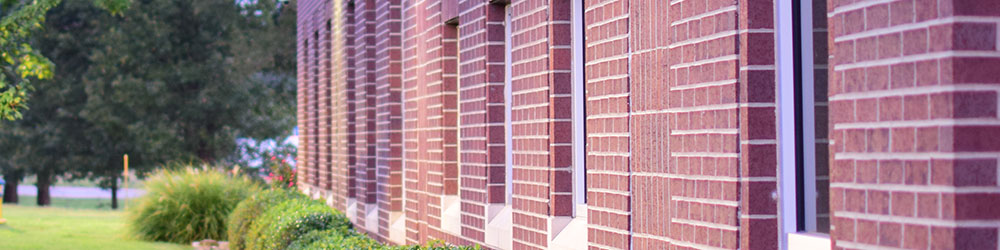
x: 183, y: 79
x: 167, y: 73
x: 20, y: 64
x: 162, y: 81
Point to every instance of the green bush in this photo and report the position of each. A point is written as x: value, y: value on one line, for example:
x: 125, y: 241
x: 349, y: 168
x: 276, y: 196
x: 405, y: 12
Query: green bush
x: 186, y: 205
x: 285, y: 222
x: 280, y: 219
x: 247, y: 212
x: 333, y: 239
x: 432, y: 245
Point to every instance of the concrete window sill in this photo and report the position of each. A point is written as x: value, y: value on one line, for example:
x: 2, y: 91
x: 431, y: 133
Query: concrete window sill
x: 499, y: 231
x: 570, y: 232
x: 810, y: 241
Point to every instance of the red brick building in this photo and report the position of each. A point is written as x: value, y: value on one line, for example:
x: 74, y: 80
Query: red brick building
x: 680, y: 124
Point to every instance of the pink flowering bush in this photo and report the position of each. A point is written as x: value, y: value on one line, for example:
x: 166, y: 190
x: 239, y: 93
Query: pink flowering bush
x: 281, y: 174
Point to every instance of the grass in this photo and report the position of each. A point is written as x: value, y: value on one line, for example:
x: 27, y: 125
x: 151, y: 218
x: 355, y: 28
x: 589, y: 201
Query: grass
x: 30, y: 227
x: 93, y: 203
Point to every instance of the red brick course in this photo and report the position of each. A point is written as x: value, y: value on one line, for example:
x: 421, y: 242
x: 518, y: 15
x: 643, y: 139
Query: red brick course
x: 920, y: 171
x: 401, y: 107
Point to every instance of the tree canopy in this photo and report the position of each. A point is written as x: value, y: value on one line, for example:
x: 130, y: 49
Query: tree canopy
x: 160, y: 80
x: 20, y: 63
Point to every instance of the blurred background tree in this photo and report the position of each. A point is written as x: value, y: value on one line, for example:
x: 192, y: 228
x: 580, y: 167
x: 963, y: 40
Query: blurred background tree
x: 160, y: 80
x: 20, y: 64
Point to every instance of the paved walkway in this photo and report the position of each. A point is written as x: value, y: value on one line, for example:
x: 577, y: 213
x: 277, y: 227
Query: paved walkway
x: 79, y: 192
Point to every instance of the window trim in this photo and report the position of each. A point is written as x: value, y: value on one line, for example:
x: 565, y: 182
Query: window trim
x: 796, y: 225
x: 508, y: 98
x: 578, y: 106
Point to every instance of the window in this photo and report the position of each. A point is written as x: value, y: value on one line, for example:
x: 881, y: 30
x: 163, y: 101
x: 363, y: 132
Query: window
x: 508, y: 98
x: 803, y: 141
x: 579, y: 108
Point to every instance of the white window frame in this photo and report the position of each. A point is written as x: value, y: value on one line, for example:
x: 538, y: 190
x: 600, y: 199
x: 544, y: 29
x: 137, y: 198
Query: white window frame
x: 508, y: 97
x: 579, y: 111
x: 790, y: 236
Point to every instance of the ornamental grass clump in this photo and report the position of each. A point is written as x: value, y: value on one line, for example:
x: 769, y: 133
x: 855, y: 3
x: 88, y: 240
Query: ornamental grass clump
x: 187, y: 204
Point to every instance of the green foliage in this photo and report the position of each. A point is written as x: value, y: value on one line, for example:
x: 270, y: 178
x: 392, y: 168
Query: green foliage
x: 171, y: 73
x: 160, y: 80
x: 115, y: 7
x: 334, y: 240
x: 244, y: 215
x: 281, y: 173
x: 19, y: 63
x: 186, y: 205
x: 285, y: 222
x: 281, y: 219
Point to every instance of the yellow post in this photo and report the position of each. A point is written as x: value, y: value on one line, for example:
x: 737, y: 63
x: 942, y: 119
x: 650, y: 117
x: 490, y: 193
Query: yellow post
x: 125, y: 197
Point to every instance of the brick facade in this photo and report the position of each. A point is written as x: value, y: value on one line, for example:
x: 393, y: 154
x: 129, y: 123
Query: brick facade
x: 402, y: 121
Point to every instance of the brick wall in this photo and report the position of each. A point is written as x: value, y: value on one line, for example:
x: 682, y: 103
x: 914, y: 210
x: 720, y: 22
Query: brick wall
x: 430, y: 86
x: 609, y: 50
x: 401, y: 107
x: 913, y: 108
x: 389, y: 123
x: 481, y: 113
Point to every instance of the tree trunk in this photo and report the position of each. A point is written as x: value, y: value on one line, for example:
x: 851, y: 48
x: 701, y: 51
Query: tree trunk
x: 44, y: 183
x: 10, y: 188
x: 114, y: 192
x: 204, y: 154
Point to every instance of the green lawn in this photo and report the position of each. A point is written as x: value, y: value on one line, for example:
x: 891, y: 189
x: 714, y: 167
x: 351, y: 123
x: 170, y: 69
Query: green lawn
x: 30, y: 227
x: 29, y: 201
x: 100, y: 204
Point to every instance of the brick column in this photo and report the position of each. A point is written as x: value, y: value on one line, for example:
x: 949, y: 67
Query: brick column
x: 302, y: 40
x: 389, y: 121
x: 481, y: 113
x: 913, y: 107
x: 342, y: 96
x: 706, y: 124
x: 649, y: 128
x: 350, y: 90
x: 430, y: 93
x: 364, y: 20
x: 324, y: 181
x: 758, y: 163
x: 608, y: 51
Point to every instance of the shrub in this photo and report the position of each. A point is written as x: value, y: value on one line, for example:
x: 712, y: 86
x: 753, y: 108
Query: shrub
x: 282, y: 174
x: 244, y: 215
x: 333, y: 239
x: 186, y: 205
x: 432, y: 245
x: 285, y: 222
